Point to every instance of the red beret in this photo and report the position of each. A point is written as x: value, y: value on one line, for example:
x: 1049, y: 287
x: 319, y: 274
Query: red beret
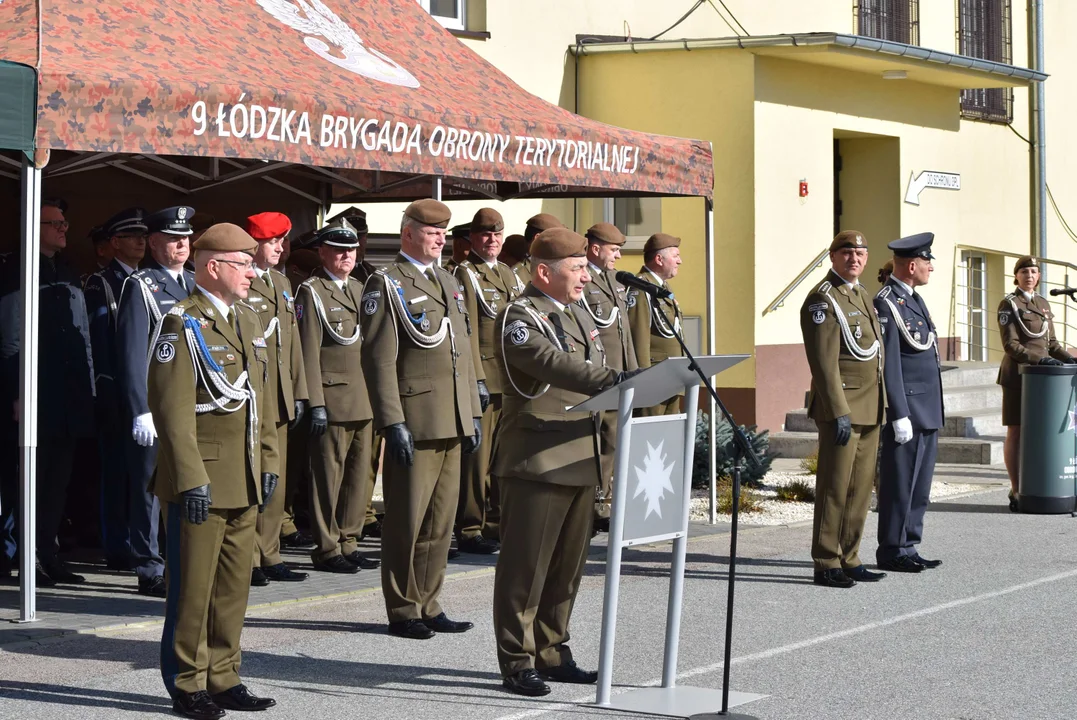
x: 268, y: 225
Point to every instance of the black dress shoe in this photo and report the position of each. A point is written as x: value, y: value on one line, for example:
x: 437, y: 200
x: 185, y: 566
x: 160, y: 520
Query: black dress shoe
x: 569, y: 673
x: 862, y: 574
x: 526, y: 682
x: 411, y: 629
x: 283, y: 573
x: 258, y: 578
x: 372, y: 530
x: 924, y: 562
x: 154, y: 587
x: 443, y: 624
x: 453, y: 554
x: 58, y: 572
x: 43, y: 580
x: 361, y: 562
x: 477, y: 545
x: 336, y: 564
x: 240, y: 698
x: 902, y: 564
x: 298, y: 540
x: 1014, y: 501
x: 196, y: 705
x: 602, y: 525
x: 834, y: 577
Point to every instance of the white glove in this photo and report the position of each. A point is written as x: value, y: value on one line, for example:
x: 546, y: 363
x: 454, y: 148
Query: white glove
x: 143, y: 430
x: 902, y: 430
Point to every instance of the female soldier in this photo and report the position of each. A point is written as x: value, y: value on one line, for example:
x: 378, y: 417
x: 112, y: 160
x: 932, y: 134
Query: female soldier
x: 885, y: 272
x: 1028, y: 337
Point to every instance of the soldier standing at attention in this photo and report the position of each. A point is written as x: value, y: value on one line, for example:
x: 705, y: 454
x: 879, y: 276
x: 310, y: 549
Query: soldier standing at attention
x: 514, y: 253
x: 272, y: 298
x: 217, y: 468
x: 125, y: 233
x: 340, y: 414
x: 421, y: 376
x: 843, y: 343
x: 650, y: 318
x: 535, y: 225
x: 546, y: 465
x: 605, y: 301
x: 147, y: 295
x: 488, y: 284
x: 913, y: 380
x: 461, y: 246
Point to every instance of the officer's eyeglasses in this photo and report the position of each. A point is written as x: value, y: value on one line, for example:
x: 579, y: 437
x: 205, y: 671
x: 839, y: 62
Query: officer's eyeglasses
x: 245, y: 266
x: 57, y: 224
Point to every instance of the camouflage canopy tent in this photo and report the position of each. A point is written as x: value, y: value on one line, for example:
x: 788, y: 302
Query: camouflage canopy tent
x: 296, y: 103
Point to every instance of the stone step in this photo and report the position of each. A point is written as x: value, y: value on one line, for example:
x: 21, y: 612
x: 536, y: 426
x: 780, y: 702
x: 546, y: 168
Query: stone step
x: 952, y: 450
x: 968, y: 424
x: 961, y: 374
x: 966, y: 399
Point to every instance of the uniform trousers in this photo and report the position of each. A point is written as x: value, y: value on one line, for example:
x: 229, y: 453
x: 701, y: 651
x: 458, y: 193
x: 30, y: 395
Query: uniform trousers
x: 843, y: 484
x: 904, y: 491
x: 340, y: 459
x: 607, y: 435
x: 297, y: 484
x: 669, y: 407
x: 269, y: 522
x: 208, y: 580
x: 478, y: 512
x: 143, y: 510
x: 420, y: 505
x: 546, y: 531
x: 55, y: 459
x: 372, y: 480
x: 115, y: 487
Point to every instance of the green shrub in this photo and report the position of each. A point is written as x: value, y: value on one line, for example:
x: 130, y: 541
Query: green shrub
x: 810, y: 464
x: 796, y: 491
x: 723, y: 456
x: 750, y: 500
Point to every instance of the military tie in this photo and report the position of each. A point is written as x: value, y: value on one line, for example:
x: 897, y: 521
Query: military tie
x: 431, y: 275
x: 179, y: 279
x: 559, y: 329
x: 268, y: 279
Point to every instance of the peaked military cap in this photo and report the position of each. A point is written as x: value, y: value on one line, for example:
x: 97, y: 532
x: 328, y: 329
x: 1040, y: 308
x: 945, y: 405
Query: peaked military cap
x: 848, y: 239
x: 516, y: 246
x: 355, y: 217
x: 268, y: 225
x: 461, y: 232
x: 429, y: 212
x: 1025, y: 262
x: 226, y: 237
x: 918, y: 245
x: 97, y: 234
x: 487, y: 220
x: 660, y: 241
x: 172, y: 221
x: 340, y: 234
x: 125, y: 221
x: 558, y: 243
x: 605, y: 232
x: 540, y: 222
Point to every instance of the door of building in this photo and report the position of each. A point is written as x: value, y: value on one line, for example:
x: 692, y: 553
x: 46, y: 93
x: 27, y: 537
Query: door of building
x: 971, y: 304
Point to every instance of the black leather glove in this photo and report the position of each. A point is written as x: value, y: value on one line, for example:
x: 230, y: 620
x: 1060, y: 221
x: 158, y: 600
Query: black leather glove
x: 300, y: 410
x: 471, y: 444
x: 844, y: 431
x: 399, y: 443
x: 626, y: 374
x: 196, y: 502
x: 269, y: 484
x: 319, y: 421
x: 1050, y: 361
x: 484, y: 395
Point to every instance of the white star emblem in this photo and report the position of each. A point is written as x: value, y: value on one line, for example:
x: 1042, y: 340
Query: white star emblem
x: 653, y: 479
x: 1073, y: 421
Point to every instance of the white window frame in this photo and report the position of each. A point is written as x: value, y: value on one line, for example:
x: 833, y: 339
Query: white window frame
x: 972, y: 301
x: 452, y: 23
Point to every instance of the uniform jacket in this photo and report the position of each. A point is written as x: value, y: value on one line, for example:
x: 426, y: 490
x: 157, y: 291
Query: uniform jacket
x: 651, y: 335
x: 102, y: 290
x: 147, y: 295
x: 1020, y: 321
x: 486, y: 290
x: 362, y: 271
x: 285, y: 354
x: 604, y: 299
x: 912, y: 375
x: 562, y: 363
x: 334, y: 370
x: 433, y: 389
x: 227, y: 450
x: 522, y: 270
x: 842, y: 384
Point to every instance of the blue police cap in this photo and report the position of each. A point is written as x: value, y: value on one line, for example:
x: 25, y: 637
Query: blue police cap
x: 918, y: 245
x: 125, y: 221
x: 339, y: 233
x: 171, y: 221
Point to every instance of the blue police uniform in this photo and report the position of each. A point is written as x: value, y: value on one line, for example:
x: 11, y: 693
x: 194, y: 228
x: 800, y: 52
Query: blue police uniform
x: 914, y: 390
x: 147, y: 295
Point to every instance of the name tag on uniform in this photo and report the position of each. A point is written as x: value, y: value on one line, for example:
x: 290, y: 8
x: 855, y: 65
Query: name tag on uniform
x: 418, y: 299
x: 854, y: 313
x: 168, y: 302
x: 258, y: 341
x: 254, y: 298
x: 335, y: 309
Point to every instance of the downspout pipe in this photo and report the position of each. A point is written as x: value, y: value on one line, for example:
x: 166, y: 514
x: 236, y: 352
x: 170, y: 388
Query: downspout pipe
x: 1037, y: 131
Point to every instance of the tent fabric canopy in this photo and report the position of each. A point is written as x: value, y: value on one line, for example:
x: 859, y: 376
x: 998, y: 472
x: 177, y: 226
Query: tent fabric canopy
x: 377, y: 86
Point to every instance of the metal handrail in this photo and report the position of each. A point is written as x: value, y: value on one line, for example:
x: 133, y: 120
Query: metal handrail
x: 808, y: 269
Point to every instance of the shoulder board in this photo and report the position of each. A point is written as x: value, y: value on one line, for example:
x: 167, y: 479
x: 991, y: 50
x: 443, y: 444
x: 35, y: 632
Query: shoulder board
x: 275, y: 271
x: 177, y: 310
x: 825, y: 287
x: 382, y: 271
x: 308, y: 282
x: 884, y: 293
x: 247, y: 305
x: 142, y: 272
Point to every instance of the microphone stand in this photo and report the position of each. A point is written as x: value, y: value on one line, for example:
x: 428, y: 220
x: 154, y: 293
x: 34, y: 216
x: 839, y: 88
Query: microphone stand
x: 743, y: 451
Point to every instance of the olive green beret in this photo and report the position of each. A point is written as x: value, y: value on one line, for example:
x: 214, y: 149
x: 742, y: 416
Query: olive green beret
x: 540, y: 222
x: 1024, y: 262
x: 605, y: 233
x: 848, y: 239
x: 487, y: 220
x: 461, y: 232
x: 202, y: 221
x: 558, y: 243
x: 226, y: 237
x: 660, y: 241
x: 429, y: 212
x: 516, y: 246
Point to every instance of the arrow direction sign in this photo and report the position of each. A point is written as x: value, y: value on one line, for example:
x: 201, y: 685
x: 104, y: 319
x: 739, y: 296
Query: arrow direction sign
x: 930, y: 179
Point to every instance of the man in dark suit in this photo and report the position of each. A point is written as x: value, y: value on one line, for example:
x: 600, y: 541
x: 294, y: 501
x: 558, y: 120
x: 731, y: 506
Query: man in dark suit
x: 148, y: 294
x: 914, y: 406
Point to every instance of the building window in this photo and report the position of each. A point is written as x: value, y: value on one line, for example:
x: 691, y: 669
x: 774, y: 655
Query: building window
x: 984, y: 31
x: 638, y: 217
x: 894, y: 20
x: 450, y: 13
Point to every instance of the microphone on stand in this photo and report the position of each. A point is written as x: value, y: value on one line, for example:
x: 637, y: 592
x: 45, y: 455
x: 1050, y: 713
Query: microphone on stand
x: 1064, y: 291
x: 629, y: 280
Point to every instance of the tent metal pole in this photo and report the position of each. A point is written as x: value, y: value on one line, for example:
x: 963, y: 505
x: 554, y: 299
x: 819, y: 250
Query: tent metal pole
x: 435, y: 187
x: 31, y: 263
x: 712, y: 349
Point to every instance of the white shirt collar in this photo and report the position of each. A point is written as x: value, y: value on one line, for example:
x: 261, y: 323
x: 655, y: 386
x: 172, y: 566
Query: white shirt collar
x: 340, y: 283
x: 217, y: 302
x: 560, y: 305
x: 596, y: 270
x: 848, y: 283
x: 907, y: 288
x: 175, y: 274
x: 1025, y: 295
x: 126, y: 268
x: 262, y: 273
x: 658, y: 281
x: 422, y: 266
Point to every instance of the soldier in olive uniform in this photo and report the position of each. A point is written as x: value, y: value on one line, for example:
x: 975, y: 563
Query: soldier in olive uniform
x: 271, y: 296
x: 340, y: 413
x: 605, y: 300
x: 421, y: 377
x: 515, y: 253
x: 1026, y: 323
x: 650, y: 318
x: 546, y: 465
x: 488, y: 284
x: 843, y: 343
x: 535, y: 225
x: 216, y: 469
x: 461, y: 246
